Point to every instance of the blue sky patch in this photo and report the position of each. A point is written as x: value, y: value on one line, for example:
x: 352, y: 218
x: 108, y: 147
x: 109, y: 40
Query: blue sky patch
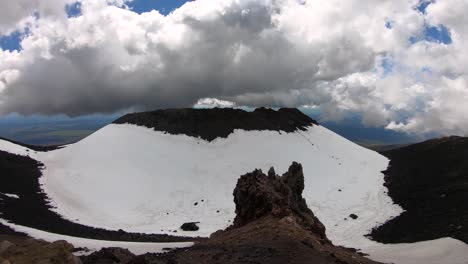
x: 73, y: 10
x: 163, y: 6
x: 389, y: 24
x: 387, y: 65
x: 11, y: 42
x: 423, y: 4
x: 439, y: 34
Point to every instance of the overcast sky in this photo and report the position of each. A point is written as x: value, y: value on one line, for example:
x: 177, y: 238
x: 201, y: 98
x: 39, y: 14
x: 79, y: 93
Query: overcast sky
x: 399, y: 64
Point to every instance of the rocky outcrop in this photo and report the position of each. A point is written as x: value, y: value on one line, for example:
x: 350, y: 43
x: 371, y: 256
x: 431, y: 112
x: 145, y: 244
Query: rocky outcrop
x: 37, y: 251
x: 210, y: 124
x: 257, y: 195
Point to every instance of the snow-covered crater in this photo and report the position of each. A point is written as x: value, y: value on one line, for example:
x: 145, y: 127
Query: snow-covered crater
x: 140, y: 180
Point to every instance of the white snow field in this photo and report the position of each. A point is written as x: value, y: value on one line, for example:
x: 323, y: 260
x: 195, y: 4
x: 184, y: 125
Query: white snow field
x: 93, y: 245
x: 140, y: 180
x: 16, y: 149
x: 439, y: 251
x: 136, y: 179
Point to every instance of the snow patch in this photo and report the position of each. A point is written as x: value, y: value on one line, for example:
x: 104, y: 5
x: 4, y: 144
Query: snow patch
x: 16, y: 149
x: 443, y: 250
x: 11, y: 195
x: 136, y: 248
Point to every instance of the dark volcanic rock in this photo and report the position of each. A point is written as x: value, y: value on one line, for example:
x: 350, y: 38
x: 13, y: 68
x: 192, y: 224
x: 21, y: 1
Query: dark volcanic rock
x: 109, y: 256
x: 257, y: 195
x: 210, y: 124
x: 353, y: 216
x: 191, y: 226
x: 430, y: 181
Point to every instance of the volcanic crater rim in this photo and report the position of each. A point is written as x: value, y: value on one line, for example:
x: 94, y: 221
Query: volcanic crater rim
x: 209, y: 124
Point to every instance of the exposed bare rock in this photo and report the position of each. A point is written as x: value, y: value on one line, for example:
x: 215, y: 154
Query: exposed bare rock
x: 257, y: 195
x: 37, y: 251
x: 109, y: 256
x: 429, y: 180
x: 210, y: 124
x: 191, y: 226
x: 4, y: 245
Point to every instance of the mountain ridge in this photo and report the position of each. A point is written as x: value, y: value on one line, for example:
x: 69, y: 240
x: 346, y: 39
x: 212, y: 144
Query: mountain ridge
x: 213, y: 123
x: 430, y: 181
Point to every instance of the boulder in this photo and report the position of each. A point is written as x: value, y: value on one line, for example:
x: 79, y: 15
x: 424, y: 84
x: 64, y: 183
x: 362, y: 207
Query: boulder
x: 353, y: 216
x: 37, y: 251
x: 109, y: 256
x: 190, y: 226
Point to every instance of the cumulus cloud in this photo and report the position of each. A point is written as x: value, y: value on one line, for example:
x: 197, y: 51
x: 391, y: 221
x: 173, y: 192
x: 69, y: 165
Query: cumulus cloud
x: 340, y: 56
x: 15, y: 15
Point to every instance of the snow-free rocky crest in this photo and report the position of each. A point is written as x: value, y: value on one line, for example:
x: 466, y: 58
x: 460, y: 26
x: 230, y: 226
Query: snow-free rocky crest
x: 210, y: 124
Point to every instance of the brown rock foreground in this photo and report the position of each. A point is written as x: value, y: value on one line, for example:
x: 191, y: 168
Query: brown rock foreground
x: 33, y: 251
x: 273, y: 225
